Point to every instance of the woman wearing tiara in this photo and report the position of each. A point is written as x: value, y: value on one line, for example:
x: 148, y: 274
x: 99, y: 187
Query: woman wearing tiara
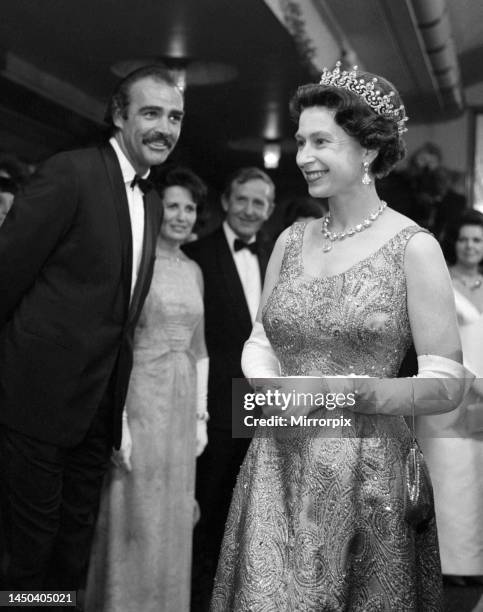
x: 318, y: 520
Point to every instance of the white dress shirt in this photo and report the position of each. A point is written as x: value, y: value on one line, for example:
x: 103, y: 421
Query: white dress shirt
x: 248, y: 270
x: 136, y: 210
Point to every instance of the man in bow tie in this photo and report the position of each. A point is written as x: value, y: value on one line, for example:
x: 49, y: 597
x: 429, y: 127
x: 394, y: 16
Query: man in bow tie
x: 233, y: 260
x: 76, y: 259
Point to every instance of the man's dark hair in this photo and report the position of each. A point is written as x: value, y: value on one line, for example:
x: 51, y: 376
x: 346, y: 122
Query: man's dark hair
x: 120, y: 98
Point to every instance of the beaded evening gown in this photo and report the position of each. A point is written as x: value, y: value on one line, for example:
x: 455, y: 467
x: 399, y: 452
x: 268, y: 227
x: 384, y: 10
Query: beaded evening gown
x: 316, y: 522
x: 141, y: 557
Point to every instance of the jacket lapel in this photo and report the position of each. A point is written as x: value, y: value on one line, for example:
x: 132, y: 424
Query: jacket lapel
x: 124, y: 222
x: 263, y: 256
x: 233, y: 286
x: 152, y: 220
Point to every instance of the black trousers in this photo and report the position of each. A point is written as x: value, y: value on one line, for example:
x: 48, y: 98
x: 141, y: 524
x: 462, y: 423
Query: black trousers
x: 50, y: 499
x: 216, y: 472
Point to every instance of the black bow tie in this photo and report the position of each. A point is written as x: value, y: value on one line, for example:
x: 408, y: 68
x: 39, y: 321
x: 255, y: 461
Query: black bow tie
x: 145, y: 185
x: 241, y: 244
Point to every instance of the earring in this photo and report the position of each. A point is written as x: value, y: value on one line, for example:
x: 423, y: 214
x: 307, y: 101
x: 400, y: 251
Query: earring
x: 366, y: 179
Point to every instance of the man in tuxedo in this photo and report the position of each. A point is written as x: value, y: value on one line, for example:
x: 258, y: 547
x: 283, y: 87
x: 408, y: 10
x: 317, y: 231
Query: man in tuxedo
x: 233, y: 260
x: 76, y: 258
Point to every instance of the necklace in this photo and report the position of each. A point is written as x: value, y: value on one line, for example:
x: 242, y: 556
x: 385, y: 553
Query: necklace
x: 351, y: 231
x: 171, y: 257
x: 472, y: 285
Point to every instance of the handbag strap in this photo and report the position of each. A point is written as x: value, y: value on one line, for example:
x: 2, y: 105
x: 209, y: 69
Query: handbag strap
x: 413, y: 418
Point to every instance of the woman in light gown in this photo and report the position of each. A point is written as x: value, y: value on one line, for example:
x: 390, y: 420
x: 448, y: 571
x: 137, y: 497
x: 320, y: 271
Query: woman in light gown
x: 317, y: 520
x: 453, y: 442
x: 141, y: 556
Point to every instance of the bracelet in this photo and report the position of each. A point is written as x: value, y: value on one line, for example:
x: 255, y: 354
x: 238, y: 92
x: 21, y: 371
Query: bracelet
x: 202, y: 416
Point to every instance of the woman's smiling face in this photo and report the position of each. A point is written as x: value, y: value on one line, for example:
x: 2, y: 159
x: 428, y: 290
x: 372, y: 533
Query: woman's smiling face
x: 179, y: 215
x: 469, y: 245
x: 330, y: 159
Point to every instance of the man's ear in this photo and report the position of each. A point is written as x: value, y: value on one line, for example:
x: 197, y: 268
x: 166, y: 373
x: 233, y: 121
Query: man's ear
x: 224, y: 203
x: 117, y: 117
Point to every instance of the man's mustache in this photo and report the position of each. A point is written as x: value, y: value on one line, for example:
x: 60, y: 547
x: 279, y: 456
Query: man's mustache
x: 164, y: 139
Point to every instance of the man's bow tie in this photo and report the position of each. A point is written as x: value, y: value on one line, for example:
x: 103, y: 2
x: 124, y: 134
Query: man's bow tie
x: 144, y: 185
x: 241, y: 244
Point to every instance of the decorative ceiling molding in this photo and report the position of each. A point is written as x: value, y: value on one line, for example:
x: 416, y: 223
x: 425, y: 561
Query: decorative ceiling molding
x: 431, y: 19
x: 48, y: 86
x: 387, y: 38
x: 316, y: 43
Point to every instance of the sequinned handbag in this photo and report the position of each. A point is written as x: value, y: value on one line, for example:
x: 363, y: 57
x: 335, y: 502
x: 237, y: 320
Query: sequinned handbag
x: 418, y: 490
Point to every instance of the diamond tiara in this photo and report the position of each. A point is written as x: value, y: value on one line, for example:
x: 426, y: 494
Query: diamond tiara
x: 379, y: 102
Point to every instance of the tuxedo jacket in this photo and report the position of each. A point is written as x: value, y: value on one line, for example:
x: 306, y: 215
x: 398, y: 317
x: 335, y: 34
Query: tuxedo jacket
x: 66, y: 318
x: 227, y: 319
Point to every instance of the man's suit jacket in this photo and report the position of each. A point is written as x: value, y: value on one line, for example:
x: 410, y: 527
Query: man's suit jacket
x: 227, y: 319
x: 66, y: 323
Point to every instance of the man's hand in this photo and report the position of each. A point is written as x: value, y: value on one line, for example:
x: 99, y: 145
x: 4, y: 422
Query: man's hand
x: 122, y: 457
x: 201, y: 437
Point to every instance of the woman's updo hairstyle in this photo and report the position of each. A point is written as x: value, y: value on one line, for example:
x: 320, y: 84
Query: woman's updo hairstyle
x: 358, y: 119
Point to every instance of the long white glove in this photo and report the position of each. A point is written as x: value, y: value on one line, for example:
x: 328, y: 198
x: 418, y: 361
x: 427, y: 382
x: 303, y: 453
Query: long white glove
x: 202, y: 368
x: 258, y: 357
x: 440, y: 385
